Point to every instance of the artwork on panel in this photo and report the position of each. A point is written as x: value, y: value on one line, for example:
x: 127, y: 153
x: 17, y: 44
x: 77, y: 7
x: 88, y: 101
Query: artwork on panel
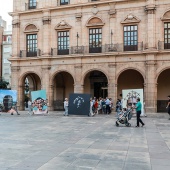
x: 8, y: 98
x: 79, y: 104
x: 39, y: 102
x: 130, y: 96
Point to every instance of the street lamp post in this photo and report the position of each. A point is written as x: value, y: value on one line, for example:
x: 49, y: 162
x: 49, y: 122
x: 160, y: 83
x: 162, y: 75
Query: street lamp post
x: 77, y: 40
x: 111, y: 36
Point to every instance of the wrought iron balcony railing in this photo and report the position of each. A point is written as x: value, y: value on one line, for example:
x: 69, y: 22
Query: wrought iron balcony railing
x: 24, y: 53
x: 123, y: 47
x: 77, y: 50
x: 83, y: 50
x: 162, y: 45
x: 29, y: 6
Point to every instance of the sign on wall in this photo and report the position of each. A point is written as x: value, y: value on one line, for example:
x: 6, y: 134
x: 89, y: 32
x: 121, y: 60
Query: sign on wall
x: 39, y: 102
x: 130, y: 96
x: 8, y: 98
x: 79, y: 104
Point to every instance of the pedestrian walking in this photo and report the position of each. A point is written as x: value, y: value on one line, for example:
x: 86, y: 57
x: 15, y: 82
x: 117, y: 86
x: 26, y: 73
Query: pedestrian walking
x: 96, y: 104
x: 91, y: 106
x: 29, y: 107
x: 66, y: 107
x: 168, y: 106
x: 108, y: 103
x: 138, y: 112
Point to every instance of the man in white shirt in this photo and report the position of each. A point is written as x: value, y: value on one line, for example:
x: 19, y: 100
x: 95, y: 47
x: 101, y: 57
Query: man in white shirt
x: 66, y: 107
x: 29, y: 106
x: 107, y: 105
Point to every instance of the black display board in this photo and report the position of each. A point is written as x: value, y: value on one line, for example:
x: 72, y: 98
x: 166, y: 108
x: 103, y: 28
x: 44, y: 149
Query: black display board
x: 79, y: 104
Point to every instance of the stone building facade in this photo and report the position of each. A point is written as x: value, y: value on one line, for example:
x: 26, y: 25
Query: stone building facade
x: 89, y: 46
x: 6, y: 54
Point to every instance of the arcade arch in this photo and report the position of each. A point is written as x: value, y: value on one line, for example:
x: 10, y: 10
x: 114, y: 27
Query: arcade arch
x: 129, y: 79
x: 63, y: 85
x: 96, y: 84
x: 30, y: 82
x: 163, y: 90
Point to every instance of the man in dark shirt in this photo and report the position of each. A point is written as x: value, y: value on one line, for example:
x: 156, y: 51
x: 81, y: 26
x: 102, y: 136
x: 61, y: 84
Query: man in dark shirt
x: 138, y: 112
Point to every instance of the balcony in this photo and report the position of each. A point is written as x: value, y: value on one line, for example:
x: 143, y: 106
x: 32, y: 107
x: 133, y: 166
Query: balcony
x: 30, y: 6
x: 24, y: 53
x: 123, y: 48
x: 77, y: 50
x: 163, y: 46
x: 86, y: 50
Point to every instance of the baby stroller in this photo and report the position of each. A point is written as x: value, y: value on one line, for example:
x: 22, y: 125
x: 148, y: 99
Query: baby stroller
x: 124, y: 118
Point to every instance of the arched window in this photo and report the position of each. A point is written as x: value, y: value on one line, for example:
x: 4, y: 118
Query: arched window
x: 95, y: 35
x: 166, y: 20
x: 31, y: 40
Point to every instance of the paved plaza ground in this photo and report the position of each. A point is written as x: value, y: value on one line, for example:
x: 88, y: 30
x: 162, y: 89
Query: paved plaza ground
x: 56, y: 142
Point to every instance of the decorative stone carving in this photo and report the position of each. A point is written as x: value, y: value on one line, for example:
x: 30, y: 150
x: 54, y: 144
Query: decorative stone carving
x: 150, y: 63
x: 150, y: 9
x: 15, y: 68
x: 78, y: 17
x: 95, y: 10
x: 166, y: 16
x: 112, y: 13
x: 46, y: 20
x: 15, y: 24
x: 62, y: 25
x: 112, y: 65
x: 95, y: 21
x: 46, y: 67
x: 130, y: 19
x: 78, y: 67
x: 31, y: 28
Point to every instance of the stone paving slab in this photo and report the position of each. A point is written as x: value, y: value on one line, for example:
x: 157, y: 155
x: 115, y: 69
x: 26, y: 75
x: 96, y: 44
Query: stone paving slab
x: 56, y: 142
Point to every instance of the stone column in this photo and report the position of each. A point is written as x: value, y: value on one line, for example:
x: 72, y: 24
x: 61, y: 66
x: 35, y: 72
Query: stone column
x: 16, y: 86
x: 150, y: 87
x: 112, y: 88
x: 46, y: 33
x: 15, y: 36
x: 78, y: 86
x: 51, y: 97
x: 45, y: 78
x: 150, y: 9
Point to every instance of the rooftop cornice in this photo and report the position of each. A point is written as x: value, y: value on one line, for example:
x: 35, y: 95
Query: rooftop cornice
x: 70, y: 6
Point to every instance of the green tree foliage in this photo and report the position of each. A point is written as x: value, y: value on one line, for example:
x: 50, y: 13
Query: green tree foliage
x: 3, y: 83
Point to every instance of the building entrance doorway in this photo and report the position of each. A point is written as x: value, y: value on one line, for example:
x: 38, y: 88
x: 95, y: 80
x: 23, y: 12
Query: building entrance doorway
x: 100, y: 89
x: 96, y: 84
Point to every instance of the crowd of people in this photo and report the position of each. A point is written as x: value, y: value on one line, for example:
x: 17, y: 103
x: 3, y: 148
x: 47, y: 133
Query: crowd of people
x: 100, y: 106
